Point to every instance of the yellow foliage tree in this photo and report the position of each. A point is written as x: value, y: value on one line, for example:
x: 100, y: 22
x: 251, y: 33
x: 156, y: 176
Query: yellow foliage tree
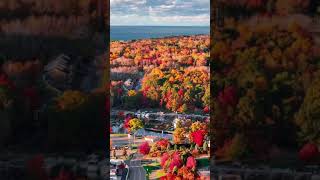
x: 179, y: 135
x: 70, y: 100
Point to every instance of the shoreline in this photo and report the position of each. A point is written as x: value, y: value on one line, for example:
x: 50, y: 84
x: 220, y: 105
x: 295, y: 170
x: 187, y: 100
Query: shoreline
x: 157, y: 38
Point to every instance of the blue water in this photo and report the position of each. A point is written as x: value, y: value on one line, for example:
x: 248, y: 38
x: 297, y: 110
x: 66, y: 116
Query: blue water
x: 145, y: 32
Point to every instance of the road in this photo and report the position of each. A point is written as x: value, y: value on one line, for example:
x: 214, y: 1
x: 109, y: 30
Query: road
x: 115, y: 112
x: 120, y: 141
x: 136, y: 171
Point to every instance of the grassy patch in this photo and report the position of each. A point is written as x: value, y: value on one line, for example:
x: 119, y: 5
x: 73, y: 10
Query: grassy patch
x: 152, y: 166
x: 157, y: 174
x: 203, y: 162
x: 160, y: 173
x: 134, y: 146
x: 153, y: 170
x: 118, y: 135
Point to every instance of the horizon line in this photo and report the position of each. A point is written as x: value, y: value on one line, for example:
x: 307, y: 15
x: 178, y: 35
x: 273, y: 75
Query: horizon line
x: 167, y: 25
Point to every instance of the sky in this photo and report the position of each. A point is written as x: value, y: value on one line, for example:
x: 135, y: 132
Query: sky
x: 160, y: 12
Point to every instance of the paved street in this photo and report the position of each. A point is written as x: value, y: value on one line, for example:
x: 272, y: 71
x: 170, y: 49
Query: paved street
x: 136, y: 171
x: 115, y: 112
x: 122, y: 141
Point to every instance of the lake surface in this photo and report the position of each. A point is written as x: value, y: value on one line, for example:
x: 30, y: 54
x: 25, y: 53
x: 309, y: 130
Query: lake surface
x: 145, y: 32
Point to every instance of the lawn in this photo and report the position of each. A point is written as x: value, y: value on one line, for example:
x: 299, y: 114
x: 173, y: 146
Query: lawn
x: 118, y: 135
x: 203, y: 162
x: 134, y: 146
x: 152, y: 169
x: 157, y: 174
x: 152, y: 166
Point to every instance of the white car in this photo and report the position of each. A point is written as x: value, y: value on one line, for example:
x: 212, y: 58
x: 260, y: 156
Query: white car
x: 113, y: 177
x: 113, y: 172
x: 116, y: 161
x: 104, y: 167
x: 92, y: 165
x: 147, y: 115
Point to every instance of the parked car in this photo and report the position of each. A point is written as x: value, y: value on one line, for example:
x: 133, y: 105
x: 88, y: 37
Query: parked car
x: 92, y: 166
x: 93, y: 163
x: 104, y: 168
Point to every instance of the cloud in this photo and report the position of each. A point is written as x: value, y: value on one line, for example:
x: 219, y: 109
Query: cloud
x: 160, y: 12
x: 199, y: 19
x: 117, y: 2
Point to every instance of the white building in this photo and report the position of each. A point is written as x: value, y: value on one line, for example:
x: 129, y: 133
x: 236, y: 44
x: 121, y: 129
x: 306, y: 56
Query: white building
x: 175, y: 122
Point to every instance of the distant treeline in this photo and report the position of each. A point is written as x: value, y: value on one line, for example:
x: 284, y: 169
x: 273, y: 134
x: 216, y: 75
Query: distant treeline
x: 10, y: 9
x: 52, y: 17
x: 38, y: 47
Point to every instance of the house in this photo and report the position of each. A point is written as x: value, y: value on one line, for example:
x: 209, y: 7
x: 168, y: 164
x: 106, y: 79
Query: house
x: 58, y: 72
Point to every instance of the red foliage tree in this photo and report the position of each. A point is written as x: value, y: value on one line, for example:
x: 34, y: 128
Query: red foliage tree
x: 309, y: 152
x: 144, y: 148
x: 32, y: 97
x: 163, y: 143
x: 4, y: 81
x: 164, y: 159
x: 121, y: 166
x: 126, y: 123
x: 255, y: 3
x: 36, y: 169
x: 64, y: 175
x: 206, y: 109
x: 191, y: 162
x: 176, y: 162
x: 121, y: 114
x: 169, y: 176
x: 198, y: 137
x: 228, y: 96
x: 180, y: 92
x: 119, y: 91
